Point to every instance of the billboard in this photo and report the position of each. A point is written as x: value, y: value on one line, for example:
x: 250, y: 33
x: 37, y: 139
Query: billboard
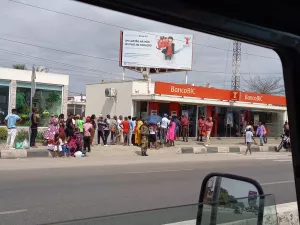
x: 156, y: 50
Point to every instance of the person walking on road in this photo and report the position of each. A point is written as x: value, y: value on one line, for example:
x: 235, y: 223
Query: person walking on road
x: 144, y: 138
x: 249, y: 138
x: 10, y: 121
x: 208, y: 127
x: 260, y: 132
x: 185, y: 127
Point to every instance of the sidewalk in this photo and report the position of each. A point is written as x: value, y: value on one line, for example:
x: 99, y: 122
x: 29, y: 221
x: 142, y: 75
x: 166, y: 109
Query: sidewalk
x: 119, y: 155
x: 224, y: 145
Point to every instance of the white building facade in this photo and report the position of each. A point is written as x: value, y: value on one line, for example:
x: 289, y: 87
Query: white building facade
x: 50, y: 98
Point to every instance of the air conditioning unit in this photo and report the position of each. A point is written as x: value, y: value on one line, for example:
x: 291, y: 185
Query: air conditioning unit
x: 110, y: 92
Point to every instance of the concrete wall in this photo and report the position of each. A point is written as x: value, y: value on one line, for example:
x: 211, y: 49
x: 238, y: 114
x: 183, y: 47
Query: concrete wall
x: 97, y: 103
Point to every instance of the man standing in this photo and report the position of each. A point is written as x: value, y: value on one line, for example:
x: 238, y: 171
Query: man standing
x: 33, y: 127
x: 10, y: 121
x: 185, y: 127
x: 131, y: 129
x: 144, y: 138
x: 260, y: 132
x: 164, y: 128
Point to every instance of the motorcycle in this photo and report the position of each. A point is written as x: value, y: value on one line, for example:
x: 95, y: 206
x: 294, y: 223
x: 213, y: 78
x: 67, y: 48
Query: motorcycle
x: 285, y: 143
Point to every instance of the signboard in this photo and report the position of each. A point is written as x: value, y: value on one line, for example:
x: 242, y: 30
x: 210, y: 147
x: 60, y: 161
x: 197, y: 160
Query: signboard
x: 185, y: 112
x: 235, y: 95
x: 186, y: 90
x: 153, y: 112
x: 230, y: 119
x: 156, y: 50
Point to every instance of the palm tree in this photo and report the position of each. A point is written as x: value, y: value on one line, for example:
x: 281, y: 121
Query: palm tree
x: 19, y: 67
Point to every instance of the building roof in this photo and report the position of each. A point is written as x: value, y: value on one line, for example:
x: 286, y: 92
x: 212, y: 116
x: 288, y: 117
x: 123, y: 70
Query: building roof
x: 41, y: 77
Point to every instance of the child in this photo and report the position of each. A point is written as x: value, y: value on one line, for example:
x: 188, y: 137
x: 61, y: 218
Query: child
x: 56, y: 145
x: 249, y: 137
x: 63, y: 145
x: 152, y: 136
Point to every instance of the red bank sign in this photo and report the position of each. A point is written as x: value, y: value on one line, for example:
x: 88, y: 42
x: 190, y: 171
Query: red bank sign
x: 214, y: 93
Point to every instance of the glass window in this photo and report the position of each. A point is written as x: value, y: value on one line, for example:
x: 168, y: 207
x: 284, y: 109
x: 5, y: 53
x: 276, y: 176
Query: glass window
x: 4, y: 98
x: 47, y: 102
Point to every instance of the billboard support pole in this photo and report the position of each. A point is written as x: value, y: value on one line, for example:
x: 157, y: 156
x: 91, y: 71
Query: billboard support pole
x: 123, y: 75
x: 186, y: 77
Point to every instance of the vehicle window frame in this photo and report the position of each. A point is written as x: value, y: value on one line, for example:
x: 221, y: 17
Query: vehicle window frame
x: 285, y: 44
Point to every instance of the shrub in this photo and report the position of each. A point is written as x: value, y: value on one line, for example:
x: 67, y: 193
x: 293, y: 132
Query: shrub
x: 40, y: 135
x: 22, y: 135
x: 3, y: 133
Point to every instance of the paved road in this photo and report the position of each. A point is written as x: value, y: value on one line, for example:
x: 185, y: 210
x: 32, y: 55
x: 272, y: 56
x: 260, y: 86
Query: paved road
x: 51, y: 195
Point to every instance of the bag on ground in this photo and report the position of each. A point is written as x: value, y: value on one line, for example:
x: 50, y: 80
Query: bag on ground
x: 25, y: 144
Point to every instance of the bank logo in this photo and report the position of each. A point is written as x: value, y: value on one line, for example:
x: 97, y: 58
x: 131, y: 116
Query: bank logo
x: 183, y: 90
x: 235, y: 95
x: 187, y: 39
x: 257, y: 98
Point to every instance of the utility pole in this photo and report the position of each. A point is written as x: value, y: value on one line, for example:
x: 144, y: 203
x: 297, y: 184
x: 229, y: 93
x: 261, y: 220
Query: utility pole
x: 236, y: 63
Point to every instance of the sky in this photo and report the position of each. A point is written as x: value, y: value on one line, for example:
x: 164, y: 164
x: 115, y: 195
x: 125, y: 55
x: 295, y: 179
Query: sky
x: 96, y: 42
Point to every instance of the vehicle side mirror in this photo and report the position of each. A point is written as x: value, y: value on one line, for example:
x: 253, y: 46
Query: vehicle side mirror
x: 225, y: 198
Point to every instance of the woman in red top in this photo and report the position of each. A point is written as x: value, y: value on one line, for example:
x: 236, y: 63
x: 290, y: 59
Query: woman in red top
x: 201, y: 128
x: 126, y: 128
x: 170, y: 49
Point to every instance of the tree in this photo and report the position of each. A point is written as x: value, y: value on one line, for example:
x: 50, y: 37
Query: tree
x: 19, y: 67
x: 270, y: 85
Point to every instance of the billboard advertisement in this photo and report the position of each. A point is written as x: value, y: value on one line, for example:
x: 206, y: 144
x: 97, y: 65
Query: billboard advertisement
x: 156, y: 50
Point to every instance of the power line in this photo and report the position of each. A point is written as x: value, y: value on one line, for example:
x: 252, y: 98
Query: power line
x: 113, y: 25
x: 60, y: 63
x: 58, y: 50
x: 70, y: 72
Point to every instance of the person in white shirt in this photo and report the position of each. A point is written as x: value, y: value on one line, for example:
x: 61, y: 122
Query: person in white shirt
x: 120, y: 138
x: 164, y: 128
x: 249, y: 138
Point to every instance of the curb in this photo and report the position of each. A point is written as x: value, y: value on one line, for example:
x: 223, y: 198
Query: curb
x: 24, y: 153
x: 224, y: 149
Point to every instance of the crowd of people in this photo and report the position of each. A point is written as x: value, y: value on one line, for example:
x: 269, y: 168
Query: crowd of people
x: 66, y: 136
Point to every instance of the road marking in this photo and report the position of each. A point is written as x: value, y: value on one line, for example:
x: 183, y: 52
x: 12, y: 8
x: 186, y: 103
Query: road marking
x: 277, y: 182
x: 283, y: 160
x: 12, y: 212
x: 159, y: 171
